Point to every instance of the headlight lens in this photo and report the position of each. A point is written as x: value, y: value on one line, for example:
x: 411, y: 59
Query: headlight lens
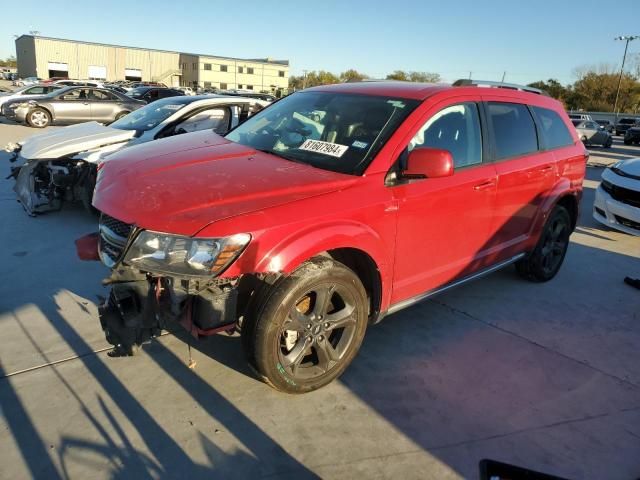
x: 177, y: 255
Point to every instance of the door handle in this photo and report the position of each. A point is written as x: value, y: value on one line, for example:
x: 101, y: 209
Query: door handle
x: 485, y: 185
x: 546, y: 169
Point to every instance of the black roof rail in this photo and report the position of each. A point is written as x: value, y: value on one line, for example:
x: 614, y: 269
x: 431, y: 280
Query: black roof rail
x: 465, y: 82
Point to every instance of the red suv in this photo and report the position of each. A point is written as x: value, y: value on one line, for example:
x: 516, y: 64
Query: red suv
x: 329, y: 210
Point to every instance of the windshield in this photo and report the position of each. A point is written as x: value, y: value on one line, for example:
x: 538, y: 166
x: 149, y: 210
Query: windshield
x: 333, y: 131
x: 627, y: 120
x: 148, y: 117
x: 137, y: 92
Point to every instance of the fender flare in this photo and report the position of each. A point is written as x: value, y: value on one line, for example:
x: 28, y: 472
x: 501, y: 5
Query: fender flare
x: 560, y: 190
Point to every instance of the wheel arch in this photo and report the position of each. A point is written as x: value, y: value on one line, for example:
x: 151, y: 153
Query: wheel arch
x: 48, y: 110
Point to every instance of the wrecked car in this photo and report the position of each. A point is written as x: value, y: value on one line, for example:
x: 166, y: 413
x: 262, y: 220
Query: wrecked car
x: 328, y: 210
x: 61, y: 165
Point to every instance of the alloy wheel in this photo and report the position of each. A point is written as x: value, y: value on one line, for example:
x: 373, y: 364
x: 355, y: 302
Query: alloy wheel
x: 39, y: 119
x: 555, y: 244
x: 319, y: 329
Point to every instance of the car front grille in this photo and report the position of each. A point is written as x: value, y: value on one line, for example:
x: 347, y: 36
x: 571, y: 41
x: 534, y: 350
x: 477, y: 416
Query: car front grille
x: 624, y: 195
x: 113, y: 238
x: 627, y: 223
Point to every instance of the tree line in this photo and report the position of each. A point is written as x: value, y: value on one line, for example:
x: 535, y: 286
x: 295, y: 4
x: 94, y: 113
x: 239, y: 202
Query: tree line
x: 9, y: 62
x: 594, y: 89
x: 323, y: 77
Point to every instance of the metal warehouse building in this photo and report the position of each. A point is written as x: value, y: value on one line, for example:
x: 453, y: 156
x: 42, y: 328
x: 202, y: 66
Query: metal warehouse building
x: 47, y: 57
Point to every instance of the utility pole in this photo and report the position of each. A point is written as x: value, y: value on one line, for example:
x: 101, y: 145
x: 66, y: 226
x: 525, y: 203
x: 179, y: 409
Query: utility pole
x: 626, y: 39
x: 304, y: 79
x: 504, y: 74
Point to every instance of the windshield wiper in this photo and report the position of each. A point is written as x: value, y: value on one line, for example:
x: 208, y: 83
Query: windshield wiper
x: 281, y: 155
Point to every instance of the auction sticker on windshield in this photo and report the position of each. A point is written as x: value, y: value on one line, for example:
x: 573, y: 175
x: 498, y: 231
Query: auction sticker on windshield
x: 327, y: 148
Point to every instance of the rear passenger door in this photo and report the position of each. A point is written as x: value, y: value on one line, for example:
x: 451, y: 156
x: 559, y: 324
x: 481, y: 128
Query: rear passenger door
x: 103, y: 105
x: 525, y: 174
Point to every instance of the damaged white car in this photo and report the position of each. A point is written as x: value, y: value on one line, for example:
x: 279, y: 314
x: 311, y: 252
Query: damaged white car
x: 61, y: 165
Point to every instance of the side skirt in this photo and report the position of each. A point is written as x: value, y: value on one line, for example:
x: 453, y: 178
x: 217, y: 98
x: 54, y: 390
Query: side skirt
x: 424, y: 296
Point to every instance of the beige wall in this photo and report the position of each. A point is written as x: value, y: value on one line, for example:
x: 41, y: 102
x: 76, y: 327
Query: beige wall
x: 265, y: 75
x: 171, y: 68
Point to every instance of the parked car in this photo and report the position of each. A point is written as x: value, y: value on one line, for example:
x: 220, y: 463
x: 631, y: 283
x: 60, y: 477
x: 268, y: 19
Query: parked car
x: 625, y: 124
x: 617, y: 203
x: 580, y: 116
x: 25, y: 93
x: 79, y: 83
x: 72, y: 105
x: 60, y: 165
x: 262, y: 96
x: 54, y: 79
x: 299, y: 230
x: 151, y: 94
x: 632, y: 135
x: 185, y: 90
x: 4, y: 89
x: 607, y: 125
x: 591, y: 133
x: 30, y: 81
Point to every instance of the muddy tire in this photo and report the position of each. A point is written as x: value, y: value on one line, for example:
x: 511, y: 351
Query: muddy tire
x: 308, y: 328
x: 38, y: 118
x: 545, y: 261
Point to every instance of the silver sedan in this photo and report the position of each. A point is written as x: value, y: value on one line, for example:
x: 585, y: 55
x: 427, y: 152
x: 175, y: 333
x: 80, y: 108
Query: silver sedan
x: 591, y: 133
x: 73, y: 105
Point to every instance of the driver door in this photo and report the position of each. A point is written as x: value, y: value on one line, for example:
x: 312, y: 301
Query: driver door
x: 443, y: 228
x: 217, y: 119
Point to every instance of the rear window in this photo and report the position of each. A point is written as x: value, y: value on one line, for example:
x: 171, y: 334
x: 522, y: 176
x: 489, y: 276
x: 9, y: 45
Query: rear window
x: 513, y: 129
x: 554, y: 131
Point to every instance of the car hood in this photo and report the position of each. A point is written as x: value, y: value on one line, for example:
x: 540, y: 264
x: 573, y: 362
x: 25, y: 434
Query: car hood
x: 73, y: 139
x: 630, y: 168
x: 180, y: 185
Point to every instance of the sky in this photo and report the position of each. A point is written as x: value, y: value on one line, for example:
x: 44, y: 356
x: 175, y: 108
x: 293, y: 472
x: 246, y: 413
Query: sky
x: 528, y: 40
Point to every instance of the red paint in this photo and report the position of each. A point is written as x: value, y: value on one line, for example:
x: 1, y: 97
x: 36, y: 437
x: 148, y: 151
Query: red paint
x: 420, y: 234
x: 429, y: 163
x: 87, y: 247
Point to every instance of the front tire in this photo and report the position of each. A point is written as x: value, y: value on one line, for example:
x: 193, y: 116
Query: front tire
x: 309, y: 327
x: 546, y: 259
x: 608, y: 143
x: 38, y: 118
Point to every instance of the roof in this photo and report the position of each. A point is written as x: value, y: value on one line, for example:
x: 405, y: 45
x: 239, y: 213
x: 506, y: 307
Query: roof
x: 262, y: 60
x: 399, y: 89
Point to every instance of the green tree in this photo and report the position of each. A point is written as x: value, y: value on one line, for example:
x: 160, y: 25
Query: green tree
x: 9, y: 62
x: 352, y: 75
x: 425, y: 77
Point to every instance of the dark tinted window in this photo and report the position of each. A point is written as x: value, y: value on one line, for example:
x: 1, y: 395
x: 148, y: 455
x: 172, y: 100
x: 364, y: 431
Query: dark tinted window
x: 36, y: 91
x: 456, y: 129
x: 513, y: 129
x: 554, y: 131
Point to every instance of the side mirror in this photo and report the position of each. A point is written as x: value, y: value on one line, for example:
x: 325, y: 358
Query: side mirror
x: 424, y: 162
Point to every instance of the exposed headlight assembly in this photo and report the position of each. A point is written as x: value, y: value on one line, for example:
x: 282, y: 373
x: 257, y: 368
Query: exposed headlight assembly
x: 184, y: 256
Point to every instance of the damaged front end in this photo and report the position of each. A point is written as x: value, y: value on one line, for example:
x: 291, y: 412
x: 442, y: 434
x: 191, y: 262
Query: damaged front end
x: 42, y: 185
x: 160, y: 281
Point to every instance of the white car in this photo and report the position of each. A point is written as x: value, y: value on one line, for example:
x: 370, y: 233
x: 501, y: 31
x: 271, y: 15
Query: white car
x: 185, y: 90
x: 617, y: 202
x: 79, y: 83
x: 61, y: 164
x: 26, y: 93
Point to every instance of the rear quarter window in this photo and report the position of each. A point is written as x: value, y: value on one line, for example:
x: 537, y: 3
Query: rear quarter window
x: 514, y: 130
x: 553, y: 130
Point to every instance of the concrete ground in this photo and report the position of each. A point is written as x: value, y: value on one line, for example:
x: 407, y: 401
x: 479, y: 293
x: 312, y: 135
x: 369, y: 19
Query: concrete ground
x: 545, y: 376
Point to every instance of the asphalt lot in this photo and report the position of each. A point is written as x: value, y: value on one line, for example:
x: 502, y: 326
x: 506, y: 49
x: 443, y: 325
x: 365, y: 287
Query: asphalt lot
x: 545, y: 376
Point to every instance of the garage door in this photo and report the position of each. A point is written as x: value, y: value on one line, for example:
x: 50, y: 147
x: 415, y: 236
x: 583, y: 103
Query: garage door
x: 58, y: 70
x: 97, y: 72
x: 132, y: 74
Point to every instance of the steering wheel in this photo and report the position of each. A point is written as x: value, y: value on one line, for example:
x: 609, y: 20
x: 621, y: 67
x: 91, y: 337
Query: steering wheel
x: 297, y: 133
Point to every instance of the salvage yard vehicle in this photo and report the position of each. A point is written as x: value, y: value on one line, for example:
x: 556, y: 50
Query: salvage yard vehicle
x: 26, y: 93
x: 61, y: 165
x: 151, y: 94
x: 592, y: 133
x: 632, y: 135
x: 329, y: 210
x: 72, y: 105
x: 625, y: 124
x: 617, y: 203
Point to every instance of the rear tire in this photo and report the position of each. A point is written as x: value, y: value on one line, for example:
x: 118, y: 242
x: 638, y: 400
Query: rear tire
x: 608, y: 143
x: 120, y: 115
x: 545, y: 261
x: 308, y: 328
x: 38, y: 118
x: 627, y: 142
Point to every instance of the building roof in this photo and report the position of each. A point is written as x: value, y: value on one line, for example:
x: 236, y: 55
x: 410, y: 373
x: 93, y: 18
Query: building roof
x: 254, y: 60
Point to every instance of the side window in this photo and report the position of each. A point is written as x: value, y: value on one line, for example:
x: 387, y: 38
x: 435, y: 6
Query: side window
x: 79, y: 94
x: 456, y: 129
x: 35, y: 91
x: 513, y: 129
x: 152, y: 94
x: 553, y: 129
x: 100, y: 96
x: 216, y: 119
